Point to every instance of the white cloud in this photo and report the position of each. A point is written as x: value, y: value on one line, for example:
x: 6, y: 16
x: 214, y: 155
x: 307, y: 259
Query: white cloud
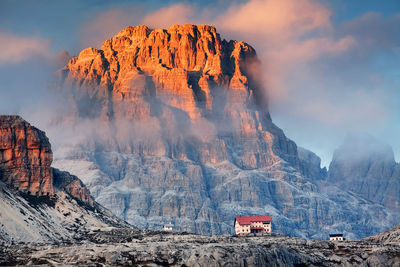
x: 15, y: 49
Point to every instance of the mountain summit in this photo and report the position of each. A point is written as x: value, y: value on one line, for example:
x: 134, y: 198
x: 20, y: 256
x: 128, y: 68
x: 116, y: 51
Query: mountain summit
x: 178, y: 129
x: 183, y: 80
x: 188, y: 61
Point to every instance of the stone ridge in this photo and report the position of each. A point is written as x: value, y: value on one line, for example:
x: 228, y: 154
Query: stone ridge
x: 25, y: 156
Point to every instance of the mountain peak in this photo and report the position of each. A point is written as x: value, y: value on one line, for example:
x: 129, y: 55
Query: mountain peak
x: 367, y: 167
x: 187, y: 61
x: 358, y: 146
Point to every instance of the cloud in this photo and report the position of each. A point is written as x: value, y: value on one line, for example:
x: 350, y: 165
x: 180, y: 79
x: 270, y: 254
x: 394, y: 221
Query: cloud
x: 15, y: 49
x: 105, y: 24
x: 181, y: 13
x: 285, y: 34
x: 274, y: 18
x: 374, y: 29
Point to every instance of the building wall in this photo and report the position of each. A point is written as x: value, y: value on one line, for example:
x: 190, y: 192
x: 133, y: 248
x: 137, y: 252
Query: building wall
x: 336, y: 238
x: 242, y: 229
x: 246, y: 229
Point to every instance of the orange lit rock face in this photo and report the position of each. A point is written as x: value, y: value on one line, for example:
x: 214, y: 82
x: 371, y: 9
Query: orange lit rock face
x: 184, y: 79
x: 181, y: 64
x: 25, y: 162
x: 25, y: 156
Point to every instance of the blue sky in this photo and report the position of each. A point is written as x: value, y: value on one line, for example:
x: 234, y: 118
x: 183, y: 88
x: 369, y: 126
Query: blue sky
x: 331, y: 67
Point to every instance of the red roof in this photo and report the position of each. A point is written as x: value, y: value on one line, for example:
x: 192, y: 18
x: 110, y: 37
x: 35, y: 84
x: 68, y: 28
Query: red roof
x: 245, y: 220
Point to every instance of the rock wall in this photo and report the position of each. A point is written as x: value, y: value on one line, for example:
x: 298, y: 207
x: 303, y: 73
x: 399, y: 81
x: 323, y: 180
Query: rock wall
x: 181, y: 81
x: 25, y: 156
x: 39, y: 203
x: 25, y: 162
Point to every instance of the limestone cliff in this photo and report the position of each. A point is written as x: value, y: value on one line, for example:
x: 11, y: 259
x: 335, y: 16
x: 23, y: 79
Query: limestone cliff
x: 182, y: 81
x: 25, y: 156
x: 40, y: 203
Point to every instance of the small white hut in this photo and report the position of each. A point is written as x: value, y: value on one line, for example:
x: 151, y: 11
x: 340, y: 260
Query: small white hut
x: 168, y: 227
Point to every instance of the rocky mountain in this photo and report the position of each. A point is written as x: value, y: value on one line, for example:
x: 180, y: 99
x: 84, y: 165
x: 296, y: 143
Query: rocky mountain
x: 173, y: 125
x: 367, y: 167
x: 41, y: 204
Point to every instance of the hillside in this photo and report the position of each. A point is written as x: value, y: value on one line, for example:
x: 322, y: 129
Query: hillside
x: 41, y: 204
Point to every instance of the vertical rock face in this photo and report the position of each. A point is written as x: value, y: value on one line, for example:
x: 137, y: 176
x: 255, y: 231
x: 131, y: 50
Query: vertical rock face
x: 182, y: 133
x: 182, y: 65
x: 53, y: 213
x: 25, y: 159
x: 25, y: 156
x: 367, y: 167
x: 311, y: 164
x: 181, y: 81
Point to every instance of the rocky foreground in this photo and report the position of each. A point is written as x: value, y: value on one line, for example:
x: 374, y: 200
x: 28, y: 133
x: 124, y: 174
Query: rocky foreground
x: 126, y: 246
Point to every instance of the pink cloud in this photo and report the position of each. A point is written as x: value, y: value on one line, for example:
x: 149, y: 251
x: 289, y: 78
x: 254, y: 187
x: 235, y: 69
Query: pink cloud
x: 106, y: 24
x: 170, y: 15
x: 15, y: 49
x: 281, y: 19
x: 285, y: 33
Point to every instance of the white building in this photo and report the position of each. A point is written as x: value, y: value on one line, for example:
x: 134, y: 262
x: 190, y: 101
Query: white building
x: 336, y: 237
x: 168, y: 227
x: 245, y: 225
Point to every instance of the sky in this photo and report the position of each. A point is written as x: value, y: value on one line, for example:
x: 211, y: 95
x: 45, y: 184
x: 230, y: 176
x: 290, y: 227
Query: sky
x: 329, y: 67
